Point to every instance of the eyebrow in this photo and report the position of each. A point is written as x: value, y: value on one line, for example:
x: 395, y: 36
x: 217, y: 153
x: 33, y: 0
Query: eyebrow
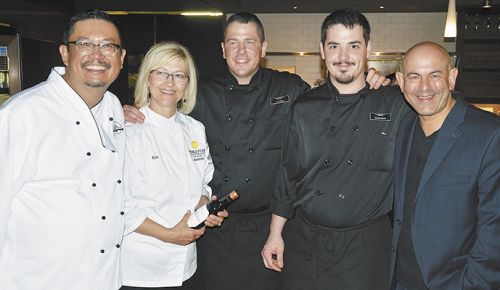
x: 350, y: 42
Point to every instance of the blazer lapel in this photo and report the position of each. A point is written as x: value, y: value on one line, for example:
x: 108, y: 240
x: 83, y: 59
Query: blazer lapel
x: 446, y: 138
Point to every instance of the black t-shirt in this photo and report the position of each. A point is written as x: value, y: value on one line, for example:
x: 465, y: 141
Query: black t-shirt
x: 407, y: 270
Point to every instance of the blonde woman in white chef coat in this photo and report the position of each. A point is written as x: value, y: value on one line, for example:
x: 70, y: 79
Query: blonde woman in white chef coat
x: 168, y: 168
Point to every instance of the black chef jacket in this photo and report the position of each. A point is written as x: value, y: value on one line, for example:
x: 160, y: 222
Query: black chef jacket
x: 338, y: 157
x: 245, y: 129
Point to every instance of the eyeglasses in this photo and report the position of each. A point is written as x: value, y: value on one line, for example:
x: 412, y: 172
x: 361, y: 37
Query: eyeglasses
x: 163, y: 76
x: 86, y: 47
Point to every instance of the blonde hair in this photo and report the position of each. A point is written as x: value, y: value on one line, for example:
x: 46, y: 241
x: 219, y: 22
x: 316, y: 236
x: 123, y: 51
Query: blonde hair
x: 158, y: 55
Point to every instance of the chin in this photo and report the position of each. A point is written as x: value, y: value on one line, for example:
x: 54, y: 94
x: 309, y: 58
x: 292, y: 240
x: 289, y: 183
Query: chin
x: 96, y: 84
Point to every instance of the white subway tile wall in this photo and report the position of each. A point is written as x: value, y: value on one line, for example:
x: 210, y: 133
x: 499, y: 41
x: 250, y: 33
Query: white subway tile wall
x: 391, y: 32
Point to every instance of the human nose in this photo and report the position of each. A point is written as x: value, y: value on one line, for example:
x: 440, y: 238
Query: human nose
x: 343, y: 53
x: 241, y: 46
x: 96, y: 50
x: 424, y: 84
x: 169, y: 78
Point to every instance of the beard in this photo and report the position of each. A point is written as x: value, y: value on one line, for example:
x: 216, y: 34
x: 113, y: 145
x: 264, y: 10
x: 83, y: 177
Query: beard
x: 343, y: 77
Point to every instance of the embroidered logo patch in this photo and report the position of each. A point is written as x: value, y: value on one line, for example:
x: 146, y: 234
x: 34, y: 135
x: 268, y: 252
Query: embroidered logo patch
x: 117, y: 128
x: 195, y: 144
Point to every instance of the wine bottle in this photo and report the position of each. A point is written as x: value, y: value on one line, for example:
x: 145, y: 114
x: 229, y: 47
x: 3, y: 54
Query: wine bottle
x: 197, y: 219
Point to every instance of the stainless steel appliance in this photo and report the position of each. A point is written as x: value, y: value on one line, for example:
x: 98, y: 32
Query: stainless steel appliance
x: 24, y: 62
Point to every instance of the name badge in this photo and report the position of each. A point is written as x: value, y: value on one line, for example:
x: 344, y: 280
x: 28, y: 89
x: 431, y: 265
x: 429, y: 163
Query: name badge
x: 280, y: 100
x: 380, y: 116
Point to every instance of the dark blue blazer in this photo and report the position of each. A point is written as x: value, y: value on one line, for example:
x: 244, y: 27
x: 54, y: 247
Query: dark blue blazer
x: 455, y: 227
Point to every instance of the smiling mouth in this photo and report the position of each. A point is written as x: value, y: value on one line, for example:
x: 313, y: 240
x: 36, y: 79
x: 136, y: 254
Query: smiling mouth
x: 425, y: 99
x: 99, y: 67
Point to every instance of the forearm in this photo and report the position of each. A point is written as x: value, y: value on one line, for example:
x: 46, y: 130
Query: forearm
x: 155, y: 230
x: 277, y: 225
x: 203, y: 200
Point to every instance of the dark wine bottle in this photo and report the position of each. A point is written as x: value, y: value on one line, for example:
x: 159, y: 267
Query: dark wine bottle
x: 213, y: 207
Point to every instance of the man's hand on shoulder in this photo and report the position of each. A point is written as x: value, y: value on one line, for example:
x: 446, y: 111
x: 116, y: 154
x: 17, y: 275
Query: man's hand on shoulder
x: 376, y: 79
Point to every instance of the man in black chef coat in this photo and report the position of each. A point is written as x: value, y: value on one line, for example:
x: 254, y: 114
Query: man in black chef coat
x: 337, y: 172
x: 244, y: 112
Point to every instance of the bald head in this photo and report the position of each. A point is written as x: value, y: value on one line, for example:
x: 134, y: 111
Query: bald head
x: 426, y: 48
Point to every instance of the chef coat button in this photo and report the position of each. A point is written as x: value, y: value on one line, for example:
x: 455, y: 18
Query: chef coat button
x: 250, y: 150
x: 230, y: 87
x: 227, y: 148
x: 250, y: 119
x: 341, y: 196
x: 103, y: 217
x: 111, y: 118
x: 336, y: 98
x: 398, y: 222
x: 247, y: 180
x: 119, y: 181
x: 226, y: 179
x: 356, y: 128
x: 319, y: 192
x: 122, y: 212
x: 350, y: 162
x: 102, y: 251
x: 332, y: 128
x: 94, y: 185
x: 78, y: 122
x: 393, y: 249
x: 327, y: 161
x: 88, y: 153
x: 113, y: 151
x: 229, y: 117
x: 117, y: 246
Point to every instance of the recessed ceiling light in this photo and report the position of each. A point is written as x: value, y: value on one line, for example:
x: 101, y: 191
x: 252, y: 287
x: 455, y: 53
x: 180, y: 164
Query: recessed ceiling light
x: 381, y: 7
x: 295, y: 7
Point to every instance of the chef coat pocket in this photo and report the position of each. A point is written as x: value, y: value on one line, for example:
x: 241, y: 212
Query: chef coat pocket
x: 273, y: 133
x: 381, y: 152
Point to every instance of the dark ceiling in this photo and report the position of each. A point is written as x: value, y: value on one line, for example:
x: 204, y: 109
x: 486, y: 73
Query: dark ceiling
x: 231, y: 6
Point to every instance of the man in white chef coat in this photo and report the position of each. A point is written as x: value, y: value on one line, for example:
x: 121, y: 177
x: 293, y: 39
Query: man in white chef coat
x: 61, y: 166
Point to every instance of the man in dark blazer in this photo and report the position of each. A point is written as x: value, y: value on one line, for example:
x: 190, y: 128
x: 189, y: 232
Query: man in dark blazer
x: 447, y: 183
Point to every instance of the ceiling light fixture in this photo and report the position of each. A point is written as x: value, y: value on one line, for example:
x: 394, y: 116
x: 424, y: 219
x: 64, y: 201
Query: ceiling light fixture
x: 381, y: 7
x: 295, y: 7
x: 487, y: 3
x: 450, y: 30
x: 200, y: 13
x: 183, y: 13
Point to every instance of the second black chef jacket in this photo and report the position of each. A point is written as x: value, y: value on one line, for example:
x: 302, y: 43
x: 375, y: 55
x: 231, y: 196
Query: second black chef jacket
x: 338, y: 159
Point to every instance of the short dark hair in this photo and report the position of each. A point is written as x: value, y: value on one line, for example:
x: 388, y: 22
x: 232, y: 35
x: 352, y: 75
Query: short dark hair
x: 85, y: 15
x: 348, y: 18
x: 245, y: 18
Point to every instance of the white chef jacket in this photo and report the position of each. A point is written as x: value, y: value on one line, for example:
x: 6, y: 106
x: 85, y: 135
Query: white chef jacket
x: 61, y: 189
x: 168, y: 167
